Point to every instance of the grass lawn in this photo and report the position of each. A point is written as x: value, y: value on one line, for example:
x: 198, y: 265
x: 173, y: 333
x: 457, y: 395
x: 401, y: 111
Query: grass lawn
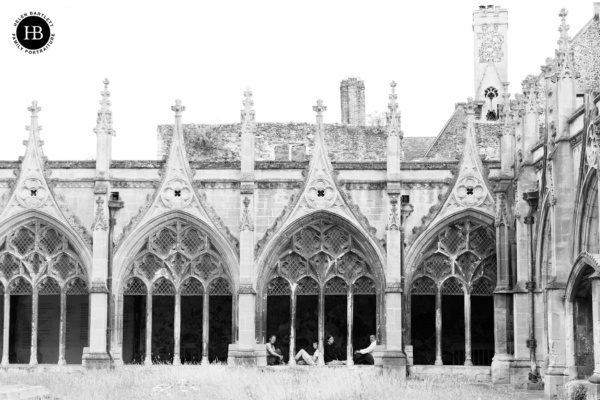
x: 222, y: 382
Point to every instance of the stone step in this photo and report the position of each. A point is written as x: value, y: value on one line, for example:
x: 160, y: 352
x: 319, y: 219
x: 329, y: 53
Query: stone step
x: 22, y: 392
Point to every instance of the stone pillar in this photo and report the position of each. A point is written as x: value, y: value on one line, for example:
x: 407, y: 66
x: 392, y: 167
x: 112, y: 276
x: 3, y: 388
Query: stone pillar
x: 394, y: 359
x: 438, y: 328
x: 205, y: 315
x: 6, y: 330
x: 321, y: 328
x: 503, y: 293
x: 293, y: 298
x: 468, y: 361
x: 562, y: 200
x: 350, y: 320
x: 97, y: 354
x: 248, y: 337
x: 177, y: 330
x: 34, y: 326
x: 62, y: 337
x: 148, y: 359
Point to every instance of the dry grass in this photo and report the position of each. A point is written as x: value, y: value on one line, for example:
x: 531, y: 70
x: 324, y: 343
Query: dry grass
x: 222, y: 382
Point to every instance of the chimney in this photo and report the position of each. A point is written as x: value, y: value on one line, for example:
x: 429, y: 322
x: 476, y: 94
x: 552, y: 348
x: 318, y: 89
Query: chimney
x: 352, y: 93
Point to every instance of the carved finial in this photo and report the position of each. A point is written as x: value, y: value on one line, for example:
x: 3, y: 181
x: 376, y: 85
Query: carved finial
x: 104, y: 119
x: 34, y: 109
x: 320, y: 108
x: 393, y: 116
x: 564, y: 54
x: 393, y: 106
x: 248, y: 112
x: 178, y: 108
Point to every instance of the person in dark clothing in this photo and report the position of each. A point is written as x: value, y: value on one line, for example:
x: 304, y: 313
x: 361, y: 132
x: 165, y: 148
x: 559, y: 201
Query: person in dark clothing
x: 274, y: 355
x: 365, y: 356
x: 331, y: 353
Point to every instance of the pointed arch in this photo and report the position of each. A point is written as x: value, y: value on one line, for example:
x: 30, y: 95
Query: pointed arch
x: 277, y: 248
x: 422, y: 247
x: 544, y: 258
x: 583, y: 261
x: 586, y: 214
x: 132, y: 248
x: 11, y: 224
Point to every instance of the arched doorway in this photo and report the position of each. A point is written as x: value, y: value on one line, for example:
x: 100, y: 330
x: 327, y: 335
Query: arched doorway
x: 47, y: 299
x: 177, y: 271
x: 448, y: 296
x: 583, y: 324
x: 321, y: 283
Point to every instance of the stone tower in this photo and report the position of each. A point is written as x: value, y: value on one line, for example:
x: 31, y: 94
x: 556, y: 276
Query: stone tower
x: 490, y: 25
x: 352, y: 92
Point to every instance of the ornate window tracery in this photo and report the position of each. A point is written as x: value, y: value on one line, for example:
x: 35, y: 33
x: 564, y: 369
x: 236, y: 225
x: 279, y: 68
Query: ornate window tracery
x: 465, y: 250
x: 40, y: 267
x: 322, y: 267
x: 323, y: 251
x: 460, y: 262
x: 177, y: 252
x: 179, y: 260
x: 36, y: 251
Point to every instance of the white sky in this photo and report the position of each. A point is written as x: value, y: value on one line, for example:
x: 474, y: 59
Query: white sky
x: 288, y: 53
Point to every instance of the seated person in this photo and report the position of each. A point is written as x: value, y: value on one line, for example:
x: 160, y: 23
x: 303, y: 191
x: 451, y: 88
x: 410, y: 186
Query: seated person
x: 365, y: 356
x: 274, y: 355
x: 307, y: 359
x: 331, y: 353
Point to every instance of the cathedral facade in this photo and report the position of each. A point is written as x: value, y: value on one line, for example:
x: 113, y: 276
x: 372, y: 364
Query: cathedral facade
x: 476, y: 251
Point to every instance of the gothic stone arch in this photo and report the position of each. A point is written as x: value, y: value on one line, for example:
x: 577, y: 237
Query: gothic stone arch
x: 461, y: 249
x: 174, y: 248
x: 321, y: 246
x: 39, y: 258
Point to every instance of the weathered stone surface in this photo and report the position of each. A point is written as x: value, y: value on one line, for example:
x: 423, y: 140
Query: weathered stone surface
x: 22, y: 392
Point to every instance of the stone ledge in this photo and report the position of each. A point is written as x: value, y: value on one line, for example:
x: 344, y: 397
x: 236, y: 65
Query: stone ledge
x: 22, y: 392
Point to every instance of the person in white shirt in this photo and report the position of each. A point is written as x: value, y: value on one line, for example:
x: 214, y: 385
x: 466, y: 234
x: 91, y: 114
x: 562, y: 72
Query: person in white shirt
x: 307, y: 358
x: 365, y: 356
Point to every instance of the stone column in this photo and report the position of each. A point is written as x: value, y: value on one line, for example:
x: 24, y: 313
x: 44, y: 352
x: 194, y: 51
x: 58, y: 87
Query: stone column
x: 177, y: 330
x: 148, y: 360
x: 97, y: 353
x: 34, y: 326
x: 468, y: 361
x: 62, y: 329
x: 205, y: 315
x: 293, y: 299
x: 595, y: 378
x: 503, y: 293
x: 6, y: 333
x: 350, y: 320
x: 438, y: 328
x: 321, y: 360
x: 248, y: 336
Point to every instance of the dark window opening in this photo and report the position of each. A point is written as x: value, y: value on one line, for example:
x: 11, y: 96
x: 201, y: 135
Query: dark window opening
x: 177, y: 193
x: 423, y: 329
x: 134, y: 329
x: 470, y: 191
x: 191, y: 329
x: 336, y: 325
x: 278, y: 323
x: 163, y: 319
x: 482, y: 330
x: 33, y: 192
x: 220, y: 328
x: 114, y: 196
x: 321, y: 193
x: 453, y: 330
